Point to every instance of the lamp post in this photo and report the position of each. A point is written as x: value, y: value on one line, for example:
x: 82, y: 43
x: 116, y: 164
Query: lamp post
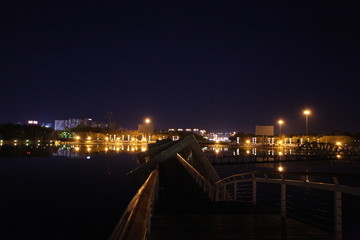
x: 147, y: 122
x: 307, y: 113
x: 280, y: 122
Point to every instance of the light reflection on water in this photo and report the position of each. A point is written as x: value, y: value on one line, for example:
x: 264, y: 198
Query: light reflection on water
x: 225, y: 151
x: 64, y: 150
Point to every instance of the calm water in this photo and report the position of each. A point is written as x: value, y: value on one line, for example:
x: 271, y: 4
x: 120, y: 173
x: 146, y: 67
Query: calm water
x: 51, y: 196
x: 80, y: 192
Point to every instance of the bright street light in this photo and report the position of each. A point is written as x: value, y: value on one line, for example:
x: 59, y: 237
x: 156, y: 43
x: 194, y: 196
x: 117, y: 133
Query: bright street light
x: 280, y: 122
x: 147, y: 120
x: 307, y: 113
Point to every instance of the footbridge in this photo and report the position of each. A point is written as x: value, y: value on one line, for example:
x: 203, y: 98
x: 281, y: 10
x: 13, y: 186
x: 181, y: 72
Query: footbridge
x: 181, y: 196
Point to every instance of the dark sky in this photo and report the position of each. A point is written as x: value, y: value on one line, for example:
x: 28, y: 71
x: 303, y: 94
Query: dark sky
x: 218, y: 65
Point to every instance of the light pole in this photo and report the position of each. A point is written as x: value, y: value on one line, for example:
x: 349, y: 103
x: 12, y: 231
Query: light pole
x: 147, y: 122
x: 307, y: 113
x: 280, y: 122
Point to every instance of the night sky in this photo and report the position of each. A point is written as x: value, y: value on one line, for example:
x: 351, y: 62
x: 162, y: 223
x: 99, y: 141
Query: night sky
x: 218, y: 65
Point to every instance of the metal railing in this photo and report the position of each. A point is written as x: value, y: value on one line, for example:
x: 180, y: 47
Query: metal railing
x: 135, y: 223
x: 198, y: 178
x: 234, y: 186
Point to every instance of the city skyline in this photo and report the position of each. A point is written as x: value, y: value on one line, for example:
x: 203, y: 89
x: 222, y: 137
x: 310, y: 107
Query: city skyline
x: 223, y: 66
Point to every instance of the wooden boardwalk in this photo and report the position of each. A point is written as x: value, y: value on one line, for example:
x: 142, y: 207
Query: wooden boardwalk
x: 231, y: 226
x: 184, y: 212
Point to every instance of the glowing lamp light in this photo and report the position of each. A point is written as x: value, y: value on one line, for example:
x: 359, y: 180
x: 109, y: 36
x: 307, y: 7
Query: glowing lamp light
x: 338, y: 156
x: 247, y: 141
x: 280, y: 142
x: 77, y: 149
x: 338, y: 143
x: 77, y: 138
x: 307, y: 112
x: 147, y: 120
x: 280, y: 169
x: 89, y: 138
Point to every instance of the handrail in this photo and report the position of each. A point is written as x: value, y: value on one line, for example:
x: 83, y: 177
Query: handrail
x: 139, y: 174
x: 267, y: 175
x: 135, y: 221
x: 199, y: 179
x: 334, y: 186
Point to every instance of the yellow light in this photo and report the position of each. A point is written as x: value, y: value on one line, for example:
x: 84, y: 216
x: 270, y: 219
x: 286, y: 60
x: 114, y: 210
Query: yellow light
x: 247, y: 141
x: 338, y: 156
x: 307, y: 112
x: 217, y: 150
x: 338, y: 143
x: 88, y: 149
x: 217, y: 141
x: 77, y: 149
x: 106, y: 138
x: 106, y: 149
x: 280, y: 153
x: 77, y: 138
x: 89, y: 138
x: 280, y: 122
x: 280, y: 142
x: 247, y: 151
x: 147, y: 120
x: 280, y: 169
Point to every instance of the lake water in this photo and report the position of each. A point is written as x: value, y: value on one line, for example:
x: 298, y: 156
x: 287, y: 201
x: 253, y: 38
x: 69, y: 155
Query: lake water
x: 80, y: 192
x: 48, y: 196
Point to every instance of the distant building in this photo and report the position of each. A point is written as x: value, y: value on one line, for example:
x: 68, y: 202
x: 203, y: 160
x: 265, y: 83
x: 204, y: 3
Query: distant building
x: 112, y: 126
x: 264, y: 130
x: 146, y: 128
x: 72, y: 123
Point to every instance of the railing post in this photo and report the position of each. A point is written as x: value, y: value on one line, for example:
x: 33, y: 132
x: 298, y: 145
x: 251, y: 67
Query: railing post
x: 283, y: 200
x: 338, y: 215
x: 235, y: 191
x: 224, y: 193
x: 254, y: 193
x: 338, y: 212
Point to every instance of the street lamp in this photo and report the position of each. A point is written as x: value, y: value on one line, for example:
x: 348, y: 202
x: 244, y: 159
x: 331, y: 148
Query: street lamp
x: 147, y: 120
x: 307, y: 113
x: 280, y: 122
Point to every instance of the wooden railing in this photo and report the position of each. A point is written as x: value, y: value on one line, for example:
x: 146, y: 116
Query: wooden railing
x: 135, y: 223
